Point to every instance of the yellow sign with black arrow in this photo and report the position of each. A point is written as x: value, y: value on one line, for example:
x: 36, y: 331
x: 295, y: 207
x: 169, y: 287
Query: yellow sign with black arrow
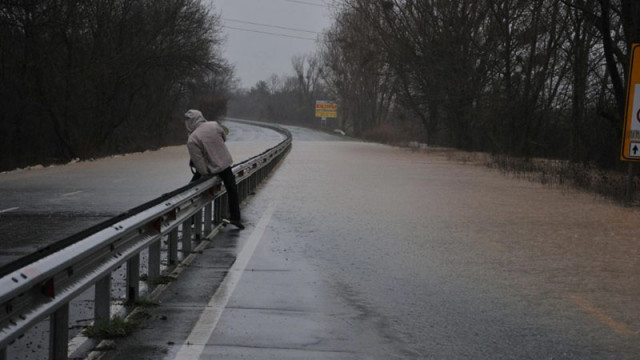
x: 631, y: 131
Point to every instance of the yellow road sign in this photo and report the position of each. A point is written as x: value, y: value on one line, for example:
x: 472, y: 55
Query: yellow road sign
x: 631, y: 133
x: 326, y: 109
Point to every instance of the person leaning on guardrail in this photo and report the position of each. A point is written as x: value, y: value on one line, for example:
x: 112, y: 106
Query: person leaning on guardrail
x: 210, y: 156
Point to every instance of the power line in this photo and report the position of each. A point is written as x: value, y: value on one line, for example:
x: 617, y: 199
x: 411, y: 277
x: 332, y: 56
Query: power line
x: 269, y: 33
x: 270, y: 26
x: 305, y: 3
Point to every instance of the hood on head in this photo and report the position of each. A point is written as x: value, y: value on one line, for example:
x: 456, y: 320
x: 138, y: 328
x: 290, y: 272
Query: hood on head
x: 192, y: 119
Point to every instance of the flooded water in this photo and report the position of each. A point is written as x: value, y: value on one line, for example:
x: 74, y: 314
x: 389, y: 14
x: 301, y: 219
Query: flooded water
x: 458, y: 260
x: 427, y: 257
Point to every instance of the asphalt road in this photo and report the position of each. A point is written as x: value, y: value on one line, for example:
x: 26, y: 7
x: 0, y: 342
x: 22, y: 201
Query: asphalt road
x: 364, y: 251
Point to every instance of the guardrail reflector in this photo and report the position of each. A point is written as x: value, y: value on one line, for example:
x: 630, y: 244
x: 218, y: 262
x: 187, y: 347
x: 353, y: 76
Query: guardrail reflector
x: 158, y: 224
x: 48, y: 289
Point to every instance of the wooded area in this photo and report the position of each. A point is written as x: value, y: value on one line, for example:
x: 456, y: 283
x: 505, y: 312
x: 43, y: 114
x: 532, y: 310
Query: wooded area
x: 526, y: 78
x: 81, y: 79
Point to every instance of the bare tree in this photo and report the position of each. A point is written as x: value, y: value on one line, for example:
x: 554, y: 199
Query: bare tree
x: 85, y: 79
x: 356, y: 70
x: 509, y: 76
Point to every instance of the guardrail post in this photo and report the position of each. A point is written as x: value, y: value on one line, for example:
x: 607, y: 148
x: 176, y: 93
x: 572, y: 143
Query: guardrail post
x: 154, y: 260
x: 3, y: 354
x: 208, y: 218
x: 173, y: 245
x: 217, y: 210
x: 133, y: 278
x: 59, y: 334
x: 102, y: 301
x: 186, y: 236
x: 198, y: 228
x: 255, y: 181
x: 241, y: 187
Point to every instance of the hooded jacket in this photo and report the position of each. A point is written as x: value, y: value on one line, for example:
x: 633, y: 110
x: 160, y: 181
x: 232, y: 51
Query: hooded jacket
x: 206, y: 144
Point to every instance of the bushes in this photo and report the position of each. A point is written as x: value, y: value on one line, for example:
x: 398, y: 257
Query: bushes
x: 607, y: 183
x: 387, y: 133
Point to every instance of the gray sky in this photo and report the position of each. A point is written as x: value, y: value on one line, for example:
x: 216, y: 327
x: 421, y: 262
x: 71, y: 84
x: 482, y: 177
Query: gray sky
x: 258, y: 51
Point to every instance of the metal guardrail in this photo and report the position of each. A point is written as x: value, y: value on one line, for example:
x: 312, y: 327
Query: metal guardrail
x: 43, y: 288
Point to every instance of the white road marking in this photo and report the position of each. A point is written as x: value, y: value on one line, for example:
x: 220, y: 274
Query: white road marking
x: 201, y: 332
x: 9, y: 209
x: 71, y: 193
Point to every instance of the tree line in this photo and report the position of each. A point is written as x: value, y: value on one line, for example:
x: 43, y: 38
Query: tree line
x: 284, y: 99
x: 82, y: 79
x: 526, y: 78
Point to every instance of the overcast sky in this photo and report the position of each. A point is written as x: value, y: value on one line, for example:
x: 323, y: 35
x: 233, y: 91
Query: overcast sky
x: 263, y: 35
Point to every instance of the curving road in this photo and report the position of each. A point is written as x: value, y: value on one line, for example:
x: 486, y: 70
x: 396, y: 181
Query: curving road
x: 39, y: 205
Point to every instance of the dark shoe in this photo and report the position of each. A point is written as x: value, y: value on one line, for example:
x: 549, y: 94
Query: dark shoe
x: 237, y: 223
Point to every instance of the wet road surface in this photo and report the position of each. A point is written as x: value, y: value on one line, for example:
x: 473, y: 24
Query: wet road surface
x: 40, y: 206
x: 364, y: 251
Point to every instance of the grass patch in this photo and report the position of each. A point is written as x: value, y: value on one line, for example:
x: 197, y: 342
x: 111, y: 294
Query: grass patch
x: 609, y: 184
x: 162, y: 280
x: 114, y: 328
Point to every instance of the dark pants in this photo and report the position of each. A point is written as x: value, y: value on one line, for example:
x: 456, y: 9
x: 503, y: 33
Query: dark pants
x: 229, y: 181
